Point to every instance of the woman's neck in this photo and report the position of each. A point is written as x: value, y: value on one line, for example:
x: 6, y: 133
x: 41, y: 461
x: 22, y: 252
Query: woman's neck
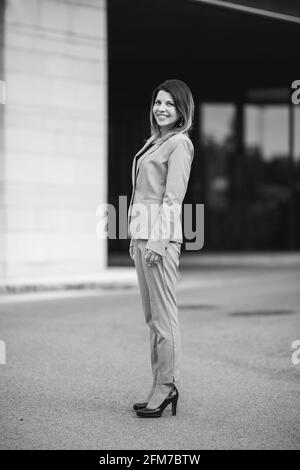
x: 164, y: 131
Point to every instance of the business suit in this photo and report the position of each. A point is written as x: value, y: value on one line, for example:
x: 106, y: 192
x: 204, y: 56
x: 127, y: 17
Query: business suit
x: 160, y: 178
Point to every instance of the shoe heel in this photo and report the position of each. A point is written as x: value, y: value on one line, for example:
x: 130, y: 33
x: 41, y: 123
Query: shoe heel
x: 174, y: 406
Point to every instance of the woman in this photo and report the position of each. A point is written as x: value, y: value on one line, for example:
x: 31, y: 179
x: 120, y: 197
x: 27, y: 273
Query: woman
x: 160, y: 175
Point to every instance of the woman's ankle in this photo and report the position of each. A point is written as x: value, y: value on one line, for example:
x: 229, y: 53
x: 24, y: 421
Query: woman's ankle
x: 150, y: 394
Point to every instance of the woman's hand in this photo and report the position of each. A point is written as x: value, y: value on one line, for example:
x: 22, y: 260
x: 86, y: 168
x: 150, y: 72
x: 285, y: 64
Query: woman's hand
x: 151, y: 257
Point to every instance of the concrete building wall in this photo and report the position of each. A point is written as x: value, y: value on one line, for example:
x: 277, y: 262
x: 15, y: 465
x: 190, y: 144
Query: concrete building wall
x: 54, y: 157
x: 2, y: 87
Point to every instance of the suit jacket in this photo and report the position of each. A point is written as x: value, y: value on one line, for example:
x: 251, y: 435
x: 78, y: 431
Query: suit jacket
x: 159, y: 181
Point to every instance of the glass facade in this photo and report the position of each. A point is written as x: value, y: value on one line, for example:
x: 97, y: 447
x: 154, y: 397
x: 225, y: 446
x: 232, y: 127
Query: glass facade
x: 251, y: 156
x: 246, y: 133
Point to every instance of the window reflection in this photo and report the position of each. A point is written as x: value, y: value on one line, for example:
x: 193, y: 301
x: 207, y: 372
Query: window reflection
x: 217, y: 139
x: 296, y: 183
x: 267, y: 130
x: 252, y: 184
x: 268, y: 176
x: 297, y: 132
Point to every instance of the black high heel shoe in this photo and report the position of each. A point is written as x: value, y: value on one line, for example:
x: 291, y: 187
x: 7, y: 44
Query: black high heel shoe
x: 172, y: 397
x: 140, y: 406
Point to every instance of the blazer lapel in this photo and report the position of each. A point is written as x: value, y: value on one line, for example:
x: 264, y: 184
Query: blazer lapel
x: 136, y: 165
x: 136, y: 155
x: 154, y: 147
x: 144, y: 146
x: 146, y: 154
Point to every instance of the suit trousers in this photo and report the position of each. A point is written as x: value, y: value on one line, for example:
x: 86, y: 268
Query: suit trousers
x: 158, y: 288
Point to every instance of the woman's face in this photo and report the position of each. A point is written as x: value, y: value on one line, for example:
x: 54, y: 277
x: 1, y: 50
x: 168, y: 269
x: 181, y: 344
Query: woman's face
x: 165, y: 111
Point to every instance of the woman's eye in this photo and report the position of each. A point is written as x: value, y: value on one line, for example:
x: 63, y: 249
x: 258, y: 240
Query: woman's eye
x: 168, y: 104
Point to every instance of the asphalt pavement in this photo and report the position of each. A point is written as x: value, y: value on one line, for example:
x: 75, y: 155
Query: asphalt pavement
x: 77, y: 361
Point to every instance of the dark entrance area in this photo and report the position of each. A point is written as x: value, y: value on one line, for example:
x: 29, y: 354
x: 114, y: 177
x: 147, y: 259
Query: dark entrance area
x: 240, y: 68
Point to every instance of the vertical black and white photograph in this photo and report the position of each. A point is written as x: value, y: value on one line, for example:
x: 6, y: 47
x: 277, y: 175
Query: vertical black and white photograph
x: 149, y: 227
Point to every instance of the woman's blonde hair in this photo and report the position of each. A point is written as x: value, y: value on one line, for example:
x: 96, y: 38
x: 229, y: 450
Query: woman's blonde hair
x: 184, y: 103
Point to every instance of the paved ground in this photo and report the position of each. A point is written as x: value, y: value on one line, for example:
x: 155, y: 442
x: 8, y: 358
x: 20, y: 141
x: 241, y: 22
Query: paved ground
x: 76, y: 364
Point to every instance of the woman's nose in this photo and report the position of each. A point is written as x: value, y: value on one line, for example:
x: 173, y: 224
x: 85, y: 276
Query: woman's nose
x: 161, y: 107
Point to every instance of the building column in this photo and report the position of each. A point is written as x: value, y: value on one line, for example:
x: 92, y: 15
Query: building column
x: 54, y: 144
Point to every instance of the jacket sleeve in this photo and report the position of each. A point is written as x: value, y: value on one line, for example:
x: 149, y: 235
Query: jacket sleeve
x: 168, y: 222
